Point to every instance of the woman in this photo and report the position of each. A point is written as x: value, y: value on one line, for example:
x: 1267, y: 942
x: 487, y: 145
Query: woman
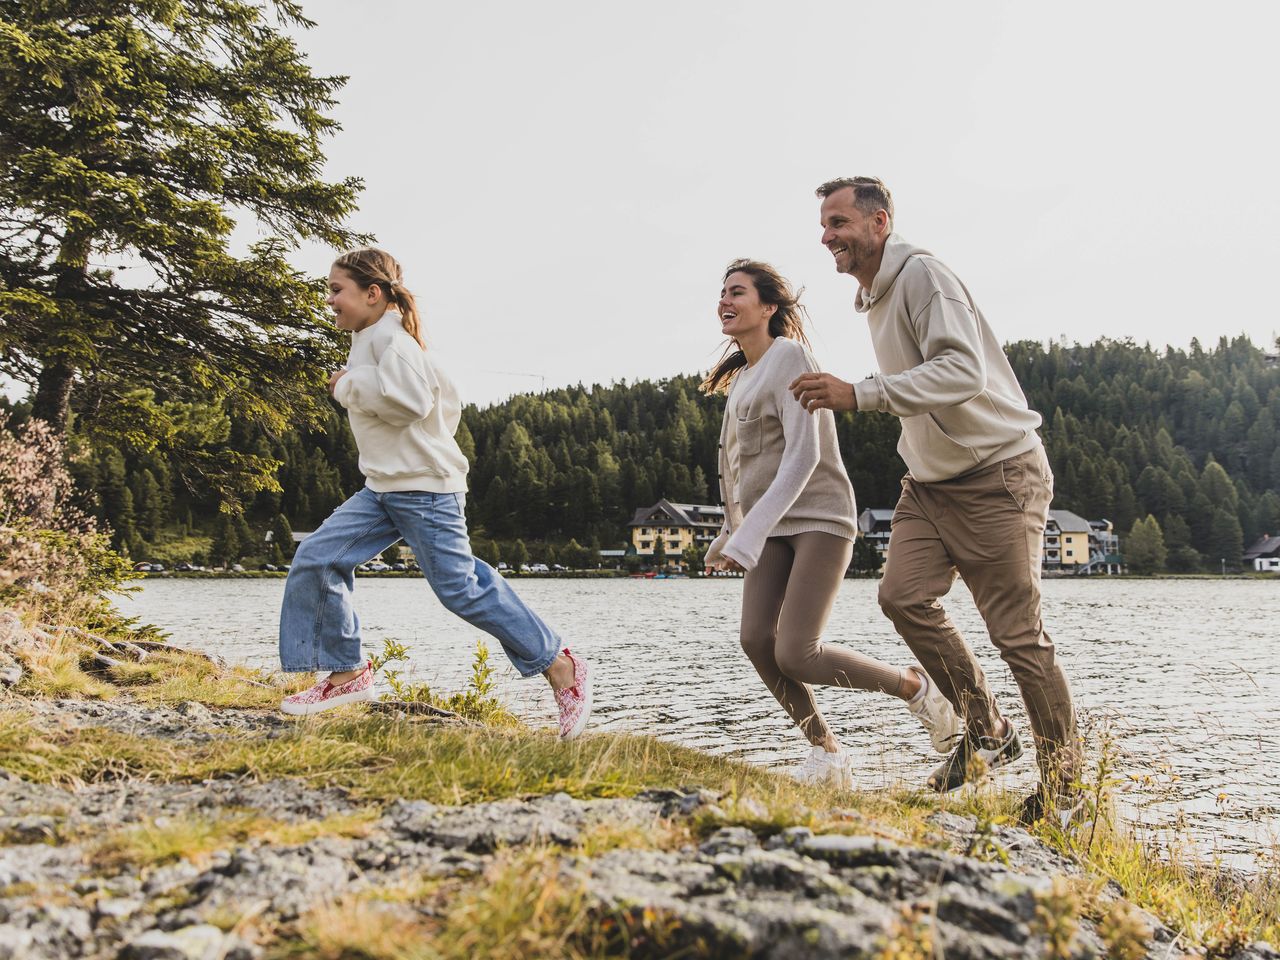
x: 789, y: 521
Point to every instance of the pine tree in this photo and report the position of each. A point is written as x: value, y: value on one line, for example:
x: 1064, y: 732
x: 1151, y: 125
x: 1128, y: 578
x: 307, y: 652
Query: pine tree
x: 282, y: 536
x: 225, y: 549
x: 132, y: 134
x: 1144, y: 550
x: 1225, y: 545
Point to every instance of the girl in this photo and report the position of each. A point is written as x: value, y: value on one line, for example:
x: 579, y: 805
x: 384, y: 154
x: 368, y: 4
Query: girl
x: 789, y: 521
x: 404, y: 412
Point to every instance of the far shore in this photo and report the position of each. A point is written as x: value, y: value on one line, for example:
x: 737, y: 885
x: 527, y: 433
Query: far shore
x: 623, y: 575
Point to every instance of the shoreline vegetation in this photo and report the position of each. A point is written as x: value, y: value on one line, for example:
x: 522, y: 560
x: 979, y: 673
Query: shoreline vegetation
x: 155, y: 800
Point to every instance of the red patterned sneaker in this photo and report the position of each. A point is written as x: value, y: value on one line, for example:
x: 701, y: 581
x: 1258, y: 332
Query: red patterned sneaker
x: 325, y: 695
x: 575, y: 701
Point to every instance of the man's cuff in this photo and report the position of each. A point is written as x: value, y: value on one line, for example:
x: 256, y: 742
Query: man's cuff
x: 868, y: 395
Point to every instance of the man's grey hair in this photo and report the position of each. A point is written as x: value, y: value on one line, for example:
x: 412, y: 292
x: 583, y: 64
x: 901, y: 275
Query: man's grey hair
x: 869, y: 194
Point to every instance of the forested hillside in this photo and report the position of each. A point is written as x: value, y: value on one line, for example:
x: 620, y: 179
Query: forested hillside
x: 1189, y: 437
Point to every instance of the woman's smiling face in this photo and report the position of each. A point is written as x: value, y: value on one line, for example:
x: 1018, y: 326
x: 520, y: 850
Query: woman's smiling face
x: 740, y: 310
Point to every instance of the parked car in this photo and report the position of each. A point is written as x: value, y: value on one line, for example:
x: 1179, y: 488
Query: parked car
x: 377, y: 566
x: 142, y: 567
x: 539, y: 568
x: 236, y: 568
x: 502, y: 565
x: 270, y: 567
x: 400, y: 565
x: 558, y: 568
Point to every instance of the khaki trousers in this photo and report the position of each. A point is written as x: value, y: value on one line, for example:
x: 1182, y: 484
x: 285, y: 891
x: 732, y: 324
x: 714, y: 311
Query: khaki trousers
x: 988, y: 526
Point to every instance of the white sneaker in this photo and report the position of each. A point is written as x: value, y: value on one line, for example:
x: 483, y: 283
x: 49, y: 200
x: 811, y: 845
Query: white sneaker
x: 936, y: 715
x: 821, y: 767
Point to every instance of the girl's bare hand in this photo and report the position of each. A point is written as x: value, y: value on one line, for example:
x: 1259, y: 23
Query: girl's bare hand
x: 335, y: 377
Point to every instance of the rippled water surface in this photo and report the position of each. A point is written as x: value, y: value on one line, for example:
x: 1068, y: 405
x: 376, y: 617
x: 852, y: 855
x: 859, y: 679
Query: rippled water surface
x: 1183, y: 673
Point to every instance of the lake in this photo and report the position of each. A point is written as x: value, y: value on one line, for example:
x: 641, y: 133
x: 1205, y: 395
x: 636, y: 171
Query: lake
x: 1183, y: 674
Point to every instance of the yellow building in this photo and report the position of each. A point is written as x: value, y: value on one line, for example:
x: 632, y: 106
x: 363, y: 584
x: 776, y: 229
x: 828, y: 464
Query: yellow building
x: 677, y: 525
x: 1066, y: 539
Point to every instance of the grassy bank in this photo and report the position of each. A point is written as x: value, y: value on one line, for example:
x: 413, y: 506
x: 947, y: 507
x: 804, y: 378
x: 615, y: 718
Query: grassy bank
x: 523, y: 903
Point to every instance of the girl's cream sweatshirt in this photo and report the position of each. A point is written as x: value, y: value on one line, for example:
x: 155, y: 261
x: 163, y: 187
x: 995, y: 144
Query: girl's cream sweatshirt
x: 404, y: 412
x: 789, y: 477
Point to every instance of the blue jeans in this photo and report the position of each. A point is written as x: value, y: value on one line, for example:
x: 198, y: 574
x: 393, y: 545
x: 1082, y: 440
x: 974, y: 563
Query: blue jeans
x: 319, y: 630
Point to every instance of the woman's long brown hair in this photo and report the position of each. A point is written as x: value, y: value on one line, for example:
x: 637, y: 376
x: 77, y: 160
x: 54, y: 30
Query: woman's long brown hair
x: 787, y: 321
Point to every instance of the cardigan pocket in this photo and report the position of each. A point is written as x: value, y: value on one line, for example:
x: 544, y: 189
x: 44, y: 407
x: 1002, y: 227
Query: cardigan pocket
x: 749, y: 435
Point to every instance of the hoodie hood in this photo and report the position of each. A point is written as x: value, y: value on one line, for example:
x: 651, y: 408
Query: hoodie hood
x: 897, y: 251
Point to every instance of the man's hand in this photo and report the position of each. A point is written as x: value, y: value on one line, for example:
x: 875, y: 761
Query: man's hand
x: 335, y: 377
x: 822, y: 391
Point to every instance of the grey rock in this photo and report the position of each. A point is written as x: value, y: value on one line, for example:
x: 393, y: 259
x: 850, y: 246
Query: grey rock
x: 977, y: 911
x: 117, y: 908
x: 852, y: 851
x: 40, y: 865
x: 681, y: 803
x: 483, y: 827
x: 15, y: 942
x: 729, y: 840
x: 170, y: 877
x: 10, y: 670
x: 791, y: 838
x: 1259, y: 950
x: 34, y: 828
x: 201, y: 942
x: 194, y: 711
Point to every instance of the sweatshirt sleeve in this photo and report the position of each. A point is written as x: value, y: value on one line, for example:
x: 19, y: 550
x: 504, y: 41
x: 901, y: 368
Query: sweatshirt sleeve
x: 953, y: 370
x: 394, y: 389
x: 799, y: 460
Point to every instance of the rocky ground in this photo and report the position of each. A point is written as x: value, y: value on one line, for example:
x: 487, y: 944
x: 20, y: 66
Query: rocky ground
x: 735, y: 893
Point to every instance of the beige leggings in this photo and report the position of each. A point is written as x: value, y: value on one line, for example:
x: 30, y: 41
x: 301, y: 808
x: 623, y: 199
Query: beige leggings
x: 786, y: 600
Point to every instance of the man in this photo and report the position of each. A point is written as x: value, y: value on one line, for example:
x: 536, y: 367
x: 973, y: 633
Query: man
x: 976, y: 495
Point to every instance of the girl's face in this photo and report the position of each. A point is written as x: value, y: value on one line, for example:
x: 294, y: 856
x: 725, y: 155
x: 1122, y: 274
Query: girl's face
x: 354, y: 307
x: 740, y: 310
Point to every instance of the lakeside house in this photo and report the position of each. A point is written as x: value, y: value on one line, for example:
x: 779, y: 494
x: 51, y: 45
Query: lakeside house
x: 1264, y: 556
x: 1066, y: 540
x: 873, y: 524
x: 1072, y: 544
x: 677, y: 525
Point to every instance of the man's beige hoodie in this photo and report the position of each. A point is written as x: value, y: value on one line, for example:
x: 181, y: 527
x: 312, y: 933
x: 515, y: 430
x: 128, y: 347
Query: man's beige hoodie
x: 942, y: 370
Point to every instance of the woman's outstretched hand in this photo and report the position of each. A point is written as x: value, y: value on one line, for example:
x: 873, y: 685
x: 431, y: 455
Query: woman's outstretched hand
x: 335, y: 377
x: 822, y: 391
x: 724, y: 563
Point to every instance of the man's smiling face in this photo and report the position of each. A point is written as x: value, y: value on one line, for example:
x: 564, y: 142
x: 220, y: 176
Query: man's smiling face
x: 852, y: 236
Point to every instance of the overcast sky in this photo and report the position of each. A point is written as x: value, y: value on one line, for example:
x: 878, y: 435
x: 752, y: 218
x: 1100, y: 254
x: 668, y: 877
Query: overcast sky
x: 564, y: 182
